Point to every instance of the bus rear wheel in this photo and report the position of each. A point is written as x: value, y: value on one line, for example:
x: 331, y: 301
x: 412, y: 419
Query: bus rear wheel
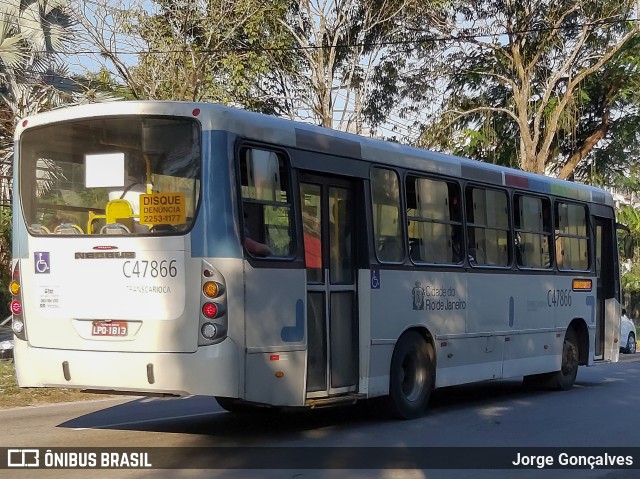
x: 411, y: 376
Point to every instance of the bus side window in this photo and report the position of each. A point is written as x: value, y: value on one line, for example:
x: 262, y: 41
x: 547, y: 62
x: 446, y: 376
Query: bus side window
x: 267, y: 227
x: 572, y: 238
x: 488, y: 226
x: 532, y: 217
x: 433, y: 210
x: 387, y: 219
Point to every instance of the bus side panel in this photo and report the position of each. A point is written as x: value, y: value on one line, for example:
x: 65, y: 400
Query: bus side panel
x: 612, y: 330
x: 404, y: 298
x: 210, y: 371
x: 485, y: 325
x: 379, y: 362
x: 275, y: 335
x: 469, y: 359
x: 366, y: 382
x: 399, y: 300
x: 532, y: 352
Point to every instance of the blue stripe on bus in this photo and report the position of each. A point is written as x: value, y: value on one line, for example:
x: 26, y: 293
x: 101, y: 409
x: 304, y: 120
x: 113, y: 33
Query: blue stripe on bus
x: 512, y: 311
x: 295, y: 334
x: 539, y: 186
x: 214, y: 233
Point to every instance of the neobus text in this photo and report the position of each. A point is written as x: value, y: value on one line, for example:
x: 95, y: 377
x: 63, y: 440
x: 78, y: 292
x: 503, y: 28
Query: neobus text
x: 106, y: 255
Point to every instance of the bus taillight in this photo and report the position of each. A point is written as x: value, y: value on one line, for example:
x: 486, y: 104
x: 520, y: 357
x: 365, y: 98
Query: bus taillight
x: 210, y: 310
x: 213, y: 306
x: 17, y: 324
x: 212, y: 289
x: 209, y: 331
x: 16, y: 307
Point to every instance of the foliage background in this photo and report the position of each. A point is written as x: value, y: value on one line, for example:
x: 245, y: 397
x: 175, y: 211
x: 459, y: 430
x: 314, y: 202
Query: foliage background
x: 547, y: 86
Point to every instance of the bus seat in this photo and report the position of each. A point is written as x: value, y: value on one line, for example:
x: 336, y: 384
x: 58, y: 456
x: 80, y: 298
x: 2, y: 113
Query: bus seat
x: 391, y: 249
x: 117, y: 210
x: 67, y: 229
x: 414, y: 249
x: 39, y: 229
x: 114, y: 229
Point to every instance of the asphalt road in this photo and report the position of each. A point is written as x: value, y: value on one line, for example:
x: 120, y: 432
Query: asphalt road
x: 601, y: 411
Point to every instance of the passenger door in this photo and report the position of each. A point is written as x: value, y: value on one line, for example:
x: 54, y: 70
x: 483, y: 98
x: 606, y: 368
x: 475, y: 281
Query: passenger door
x: 607, y: 314
x: 332, y: 327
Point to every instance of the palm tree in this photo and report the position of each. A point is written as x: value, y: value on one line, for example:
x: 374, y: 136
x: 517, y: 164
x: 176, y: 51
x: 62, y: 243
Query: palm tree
x: 33, y: 35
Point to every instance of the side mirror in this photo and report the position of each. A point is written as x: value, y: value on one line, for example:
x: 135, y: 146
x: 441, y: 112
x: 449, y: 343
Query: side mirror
x: 627, y: 240
x: 629, y: 244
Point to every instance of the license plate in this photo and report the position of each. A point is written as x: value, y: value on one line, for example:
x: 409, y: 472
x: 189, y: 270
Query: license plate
x: 109, y: 328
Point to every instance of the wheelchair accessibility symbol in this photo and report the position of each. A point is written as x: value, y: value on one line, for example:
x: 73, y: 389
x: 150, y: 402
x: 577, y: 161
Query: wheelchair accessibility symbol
x: 375, y: 279
x: 41, y: 262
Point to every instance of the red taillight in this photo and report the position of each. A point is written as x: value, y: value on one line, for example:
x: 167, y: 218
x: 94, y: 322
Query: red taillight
x: 210, y: 310
x: 16, y: 307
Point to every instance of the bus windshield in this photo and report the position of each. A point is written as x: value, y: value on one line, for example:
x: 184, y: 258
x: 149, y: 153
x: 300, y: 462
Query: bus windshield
x: 128, y: 175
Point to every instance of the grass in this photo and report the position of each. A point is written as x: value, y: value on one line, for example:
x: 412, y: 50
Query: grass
x: 11, y: 395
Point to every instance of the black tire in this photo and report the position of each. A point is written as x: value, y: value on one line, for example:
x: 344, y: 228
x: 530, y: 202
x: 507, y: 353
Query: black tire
x: 566, y: 377
x: 631, y: 344
x: 412, y: 376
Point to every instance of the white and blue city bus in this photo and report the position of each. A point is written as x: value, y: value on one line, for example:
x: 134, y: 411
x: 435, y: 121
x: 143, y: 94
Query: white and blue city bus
x: 385, y: 270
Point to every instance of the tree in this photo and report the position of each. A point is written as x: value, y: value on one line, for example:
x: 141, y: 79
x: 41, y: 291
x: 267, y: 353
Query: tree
x: 33, y: 34
x: 219, y: 50
x: 348, y: 73
x: 524, y: 81
x: 630, y: 278
x: 5, y: 260
x: 322, y: 61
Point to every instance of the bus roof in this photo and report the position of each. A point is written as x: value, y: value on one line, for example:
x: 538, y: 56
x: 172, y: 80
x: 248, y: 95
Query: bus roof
x: 271, y: 129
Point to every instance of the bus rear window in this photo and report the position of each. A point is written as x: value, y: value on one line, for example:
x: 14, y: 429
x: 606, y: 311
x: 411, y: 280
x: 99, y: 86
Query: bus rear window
x: 126, y: 175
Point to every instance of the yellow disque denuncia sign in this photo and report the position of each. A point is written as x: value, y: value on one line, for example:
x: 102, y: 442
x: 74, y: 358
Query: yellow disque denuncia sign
x: 163, y: 209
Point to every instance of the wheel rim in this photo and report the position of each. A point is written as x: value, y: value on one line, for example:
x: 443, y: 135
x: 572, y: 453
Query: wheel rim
x: 414, y: 377
x: 631, y: 344
x: 569, y: 358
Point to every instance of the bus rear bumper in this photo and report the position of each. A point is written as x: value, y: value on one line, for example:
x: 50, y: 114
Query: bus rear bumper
x: 211, y: 370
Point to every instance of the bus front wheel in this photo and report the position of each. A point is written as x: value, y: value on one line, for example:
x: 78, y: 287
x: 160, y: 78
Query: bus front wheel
x: 411, y: 376
x: 566, y: 377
